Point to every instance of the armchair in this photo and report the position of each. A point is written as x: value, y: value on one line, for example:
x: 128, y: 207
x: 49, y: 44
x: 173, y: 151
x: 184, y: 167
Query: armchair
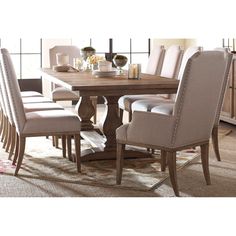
x: 192, y: 119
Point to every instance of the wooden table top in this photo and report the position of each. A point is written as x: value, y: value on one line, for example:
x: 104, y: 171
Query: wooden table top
x: 90, y: 85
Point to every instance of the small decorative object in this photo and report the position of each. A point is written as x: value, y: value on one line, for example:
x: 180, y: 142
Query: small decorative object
x: 104, y: 65
x: 134, y: 71
x: 64, y: 68
x: 87, y: 52
x: 62, y: 59
x: 93, y: 60
x: 120, y: 61
x: 78, y: 63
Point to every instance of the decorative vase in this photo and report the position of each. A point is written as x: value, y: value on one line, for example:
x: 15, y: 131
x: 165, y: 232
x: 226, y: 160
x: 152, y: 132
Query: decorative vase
x: 95, y: 66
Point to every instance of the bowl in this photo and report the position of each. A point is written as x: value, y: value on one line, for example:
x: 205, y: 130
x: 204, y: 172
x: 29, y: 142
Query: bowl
x: 120, y: 60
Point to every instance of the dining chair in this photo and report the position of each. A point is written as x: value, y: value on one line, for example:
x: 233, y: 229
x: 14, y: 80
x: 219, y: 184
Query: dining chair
x: 148, y: 103
x: 190, y: 124
x: 154, y: 67
x: 61, y: 93
x: 37, y: 123
x: 168, y: 109
x: 9, y: 133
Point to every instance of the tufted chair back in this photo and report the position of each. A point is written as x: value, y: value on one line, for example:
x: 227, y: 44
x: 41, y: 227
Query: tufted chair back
x: 155, y: 60
x: 15, y: 104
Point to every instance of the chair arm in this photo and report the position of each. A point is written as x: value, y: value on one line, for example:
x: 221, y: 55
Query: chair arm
x: 148, y: 128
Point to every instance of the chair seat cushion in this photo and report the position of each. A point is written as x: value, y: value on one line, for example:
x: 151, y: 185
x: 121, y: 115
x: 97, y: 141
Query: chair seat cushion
x: 63, y: 94
x: 30, y: 94
x: 125, y: 102
x: 148, y: 104
x: 35, y: 100
x: 165, y: 109
x: 51, y: 122
x: 30, y: 107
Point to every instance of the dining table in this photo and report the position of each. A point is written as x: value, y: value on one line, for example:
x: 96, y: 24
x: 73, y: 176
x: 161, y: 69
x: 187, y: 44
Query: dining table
x: 111, y: 88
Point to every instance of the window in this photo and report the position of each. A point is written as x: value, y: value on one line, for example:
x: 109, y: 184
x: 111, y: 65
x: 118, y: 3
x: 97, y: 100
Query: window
x: 26, y: 56
x: 136, y: 50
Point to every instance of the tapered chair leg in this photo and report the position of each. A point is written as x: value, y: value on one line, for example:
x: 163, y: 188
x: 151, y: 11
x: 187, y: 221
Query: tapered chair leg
x: 119, y: 162
x: 171, y: 159
x: 63, y: 141
x: 5, y: 134
x: 205, y: 162
x: 20, y: 154
x: 215, y: 142
x: 3, y: 129
x: 13, y: 142
x: 16, y: 150
x: 68, y: 140
x: 8, y: 138
x: 163, y: 160
x: 77, y: 152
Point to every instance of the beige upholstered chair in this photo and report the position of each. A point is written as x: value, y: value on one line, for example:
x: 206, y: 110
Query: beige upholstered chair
x: 193, y: 117
x: 37, y: 123
x: 148, y: 103
x: 154, y: 67
x: 167, y: 109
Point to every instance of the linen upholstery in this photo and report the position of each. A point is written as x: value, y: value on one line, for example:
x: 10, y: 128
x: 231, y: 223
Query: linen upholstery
x: 41, y: 122
x: 13, y: 91
x: 29, y: 107
x: 38, y: 123
x: 170, y: 68
x: 194, y: 112
x: 30, y: 94
x: 144, y: 105
x: 155, y: 60
x: 61, y: 93
x: 71, y: 50
x: 36, y: 100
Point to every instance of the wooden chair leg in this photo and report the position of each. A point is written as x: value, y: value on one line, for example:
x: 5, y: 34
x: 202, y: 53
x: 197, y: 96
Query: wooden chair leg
x: 163, y: 160
x: 20, y: 154
x: 77, y: 152
x: 13, y: 142
x: 215, y: 142
x: 130, y: 116
x: 119, y: 162
x: 3, y: 129
x: 53, y: 141
x: 63, y: 141
x: 1, y: 123
x: 171, y: 159
x: 5, y: 134
x: 205, y: 162
x: 68, y: 139
x: 8, y: 138
x: 16, y: 150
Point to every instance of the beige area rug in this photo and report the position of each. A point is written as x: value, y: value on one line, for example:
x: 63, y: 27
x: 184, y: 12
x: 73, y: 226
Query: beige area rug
x: 44, y: 162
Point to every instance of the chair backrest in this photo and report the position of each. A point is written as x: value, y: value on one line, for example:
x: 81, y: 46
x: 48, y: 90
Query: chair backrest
x: 155, y: 60
x: 13, y: 90
x: 187, y: 54
x: 198, y: 96
x: 5, y: 103
x: 71, y: 51
x: 223, y: 91
x: 172, y: 61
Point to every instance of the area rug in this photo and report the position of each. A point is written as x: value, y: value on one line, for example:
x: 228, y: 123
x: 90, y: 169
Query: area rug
x: 44, y: 162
